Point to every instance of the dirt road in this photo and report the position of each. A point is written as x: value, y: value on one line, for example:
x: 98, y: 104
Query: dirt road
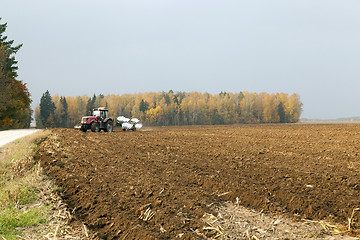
x: 161, y: 183
x: 11, y: 135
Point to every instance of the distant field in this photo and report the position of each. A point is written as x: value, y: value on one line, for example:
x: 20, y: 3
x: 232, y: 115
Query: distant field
x: 159, y: 182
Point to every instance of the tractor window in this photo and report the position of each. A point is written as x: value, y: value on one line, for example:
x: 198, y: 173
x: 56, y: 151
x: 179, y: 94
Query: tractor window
x: 97, y: 113
x: 103, y: 114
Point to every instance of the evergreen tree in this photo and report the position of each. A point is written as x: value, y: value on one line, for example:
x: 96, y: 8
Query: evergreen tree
x: 64, y: 116
x: 166, y: 97
x: 216, y: 118
x: 90, y: 105
x: 9, y: 67
x: 47, y: 109
x: 143, y: 106
x: 281, y: 112
x: 180, y: 96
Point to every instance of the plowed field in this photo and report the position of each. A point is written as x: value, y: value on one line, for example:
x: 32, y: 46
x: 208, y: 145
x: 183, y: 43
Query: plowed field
x: 159, y: 182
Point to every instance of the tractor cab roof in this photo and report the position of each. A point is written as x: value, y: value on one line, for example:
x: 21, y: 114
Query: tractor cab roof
x: 100, y: 109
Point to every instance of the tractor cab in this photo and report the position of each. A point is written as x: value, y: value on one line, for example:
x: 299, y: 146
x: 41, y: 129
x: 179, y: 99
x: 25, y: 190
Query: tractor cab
x: 102, y: 113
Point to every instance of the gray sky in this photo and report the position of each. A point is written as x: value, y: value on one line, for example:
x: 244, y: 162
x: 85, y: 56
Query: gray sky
x: 84, y: 47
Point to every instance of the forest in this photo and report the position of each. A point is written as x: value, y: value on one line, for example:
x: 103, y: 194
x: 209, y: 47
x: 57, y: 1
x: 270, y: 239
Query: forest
x: 174, y: 108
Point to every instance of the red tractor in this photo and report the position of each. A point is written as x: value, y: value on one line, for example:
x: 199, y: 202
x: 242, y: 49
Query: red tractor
x: 98, y: 121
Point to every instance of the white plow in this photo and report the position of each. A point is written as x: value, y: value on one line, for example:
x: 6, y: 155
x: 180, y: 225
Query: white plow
x: 129, y: 124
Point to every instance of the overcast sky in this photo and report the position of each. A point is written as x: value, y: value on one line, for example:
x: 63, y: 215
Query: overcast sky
x: 84, y: 47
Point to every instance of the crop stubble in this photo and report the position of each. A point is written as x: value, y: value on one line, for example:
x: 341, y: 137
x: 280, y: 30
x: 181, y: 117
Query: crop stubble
x: 159, y: 183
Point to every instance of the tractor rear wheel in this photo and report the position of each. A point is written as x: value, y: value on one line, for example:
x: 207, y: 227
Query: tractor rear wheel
x: 109, y: 126
x: 95, y: 127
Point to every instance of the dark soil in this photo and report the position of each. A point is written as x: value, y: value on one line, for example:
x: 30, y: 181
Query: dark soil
x: 115, y: 181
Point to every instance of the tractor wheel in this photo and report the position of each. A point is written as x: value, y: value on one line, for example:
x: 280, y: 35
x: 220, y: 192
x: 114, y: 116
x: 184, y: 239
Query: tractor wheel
x: 95, y: 127
x: 109, y: 126
x: 84, y: 129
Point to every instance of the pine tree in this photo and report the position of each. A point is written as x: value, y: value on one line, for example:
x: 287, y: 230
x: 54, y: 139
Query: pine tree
x: 10, y: 67
x: 143, y: 106
x: 64, y: 116
x: 47, y: 109
x: 281, y: 112
x: 90, y: 105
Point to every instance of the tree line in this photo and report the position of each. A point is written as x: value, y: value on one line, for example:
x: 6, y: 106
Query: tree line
x: 174, y: 108
x: 15, y: 111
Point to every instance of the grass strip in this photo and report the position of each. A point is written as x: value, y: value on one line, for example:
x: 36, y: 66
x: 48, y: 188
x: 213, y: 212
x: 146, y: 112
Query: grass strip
x: 20, y: 184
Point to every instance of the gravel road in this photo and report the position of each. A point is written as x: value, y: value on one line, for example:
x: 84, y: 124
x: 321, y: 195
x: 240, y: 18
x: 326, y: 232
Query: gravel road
x: 11, y: 135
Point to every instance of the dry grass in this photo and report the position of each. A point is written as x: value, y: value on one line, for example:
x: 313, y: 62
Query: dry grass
x: 21, y: 182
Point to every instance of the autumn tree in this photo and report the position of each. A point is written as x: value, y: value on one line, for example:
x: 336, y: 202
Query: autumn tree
x: 15, y: 111
x: 61, y: 112
x: 295, y: 108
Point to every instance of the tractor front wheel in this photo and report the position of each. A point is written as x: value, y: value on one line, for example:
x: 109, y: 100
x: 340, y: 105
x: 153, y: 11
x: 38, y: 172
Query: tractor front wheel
x: 109, y: 126
x: 95, y: 127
